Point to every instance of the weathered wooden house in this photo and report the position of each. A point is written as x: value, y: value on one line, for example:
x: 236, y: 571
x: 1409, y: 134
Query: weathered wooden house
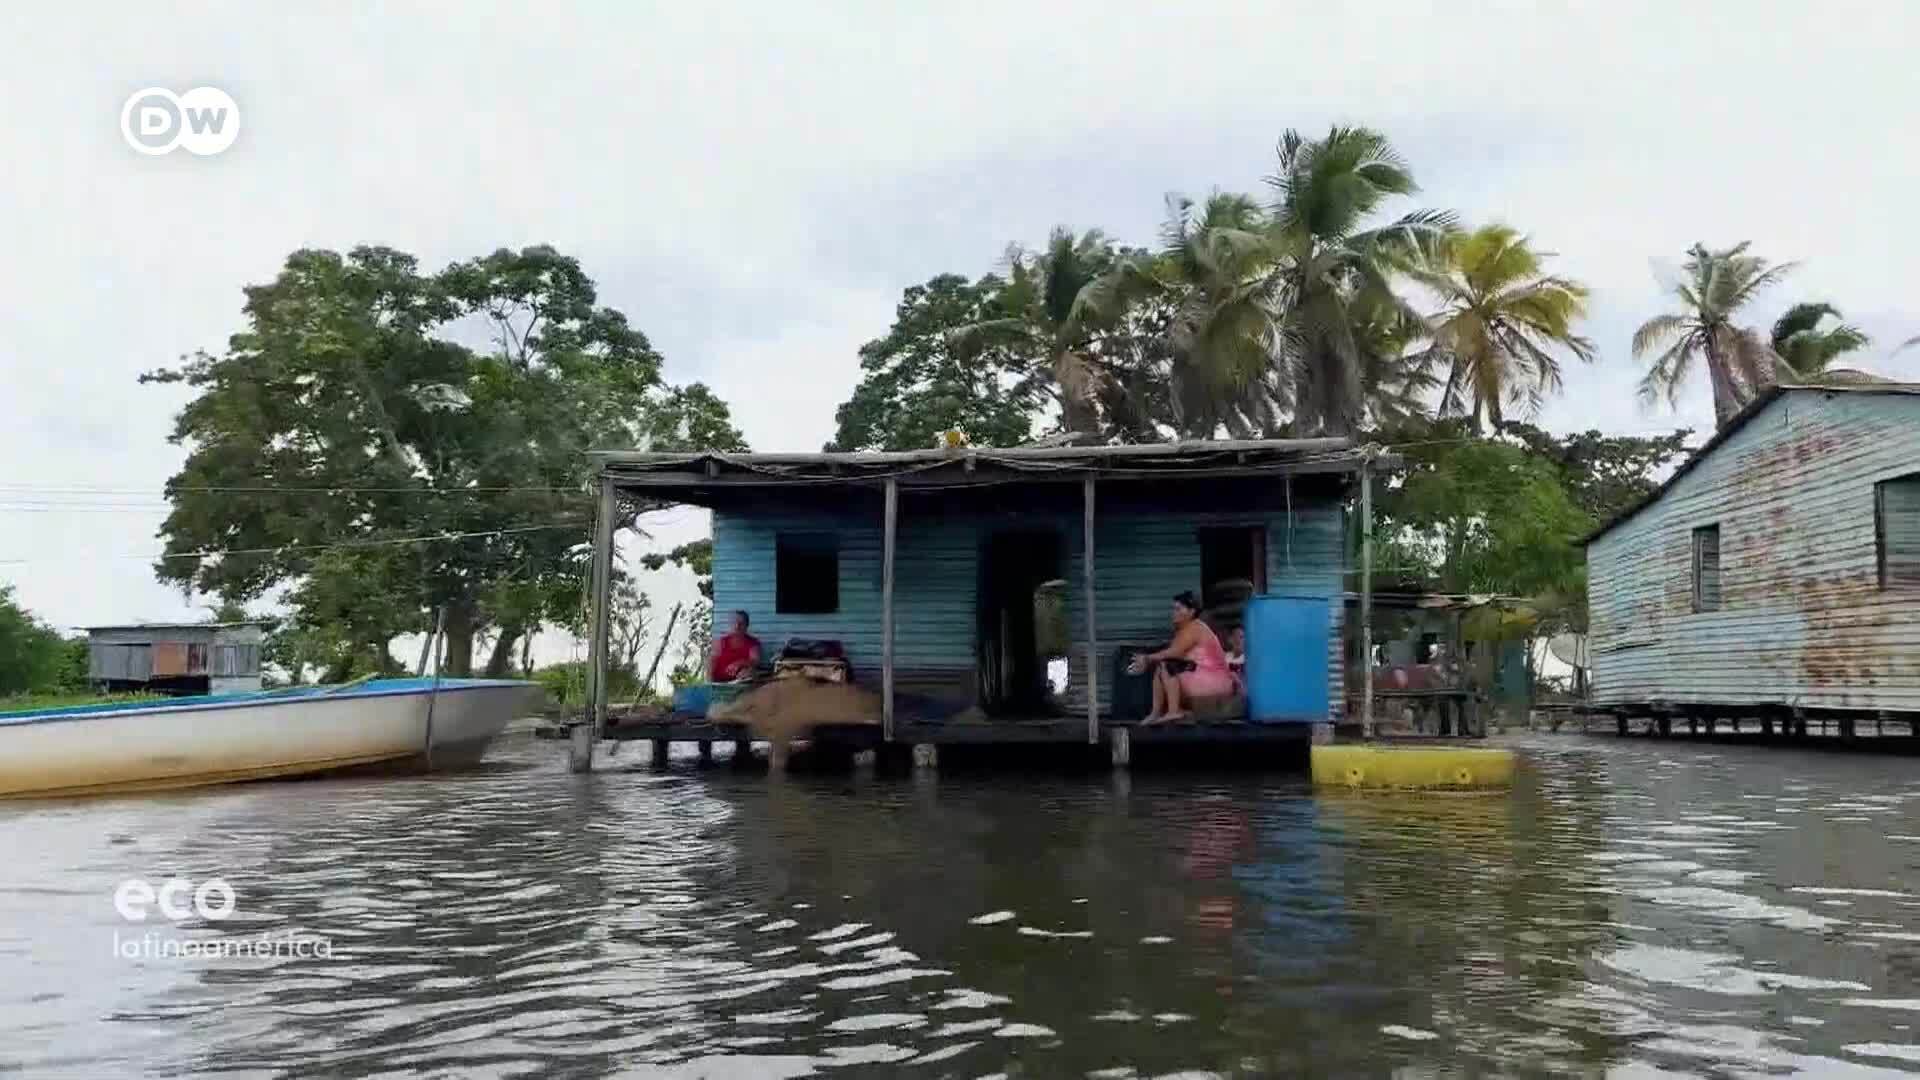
x: 1776, y: 573
x: 176, y: 658
x: 940, y: 571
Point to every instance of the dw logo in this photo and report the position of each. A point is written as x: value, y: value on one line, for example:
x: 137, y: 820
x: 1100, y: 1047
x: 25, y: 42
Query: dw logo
x: 204, y: 120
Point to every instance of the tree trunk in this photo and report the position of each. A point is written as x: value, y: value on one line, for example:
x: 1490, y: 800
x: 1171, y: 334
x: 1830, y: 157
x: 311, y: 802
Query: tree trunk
x: 460, y: 631
x: 1076, y: 378
x: 500, y: 663
x: 1726, y: 398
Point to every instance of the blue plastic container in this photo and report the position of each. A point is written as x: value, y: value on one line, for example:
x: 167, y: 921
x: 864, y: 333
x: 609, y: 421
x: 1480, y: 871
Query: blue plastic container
x: 693, y: 700
x: 1287, y: 661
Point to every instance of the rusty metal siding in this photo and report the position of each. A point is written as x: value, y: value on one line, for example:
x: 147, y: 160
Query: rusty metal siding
x: 1803, y: 620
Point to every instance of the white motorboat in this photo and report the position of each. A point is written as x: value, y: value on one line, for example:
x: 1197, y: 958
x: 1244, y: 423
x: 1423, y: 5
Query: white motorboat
x: 180, y: 742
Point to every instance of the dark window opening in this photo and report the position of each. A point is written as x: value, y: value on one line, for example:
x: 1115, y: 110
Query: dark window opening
x: 806, y: 575
x: 1706, y: 568
x: 1896, y: 526
x: 1233, y: 567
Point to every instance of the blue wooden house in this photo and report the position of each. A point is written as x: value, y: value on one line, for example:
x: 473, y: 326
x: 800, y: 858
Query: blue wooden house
x: 958, y: 580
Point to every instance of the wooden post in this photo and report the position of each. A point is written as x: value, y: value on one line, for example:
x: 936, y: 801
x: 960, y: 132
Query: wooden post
x: 886, y: 608
x: 1366, y: 600
x: 602, y: 618
x: 1093, y: 623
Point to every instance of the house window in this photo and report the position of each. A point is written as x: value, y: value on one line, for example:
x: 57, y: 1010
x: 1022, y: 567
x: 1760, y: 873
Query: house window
x: 1233, y: 565
x: 1706, y: 568
x: 806, y: 574
x: 235, y: 661
x: 1896, y: 506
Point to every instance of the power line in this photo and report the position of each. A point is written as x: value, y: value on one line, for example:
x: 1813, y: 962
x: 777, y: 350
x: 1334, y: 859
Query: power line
x: 293, y: 489
x: 337, y: 545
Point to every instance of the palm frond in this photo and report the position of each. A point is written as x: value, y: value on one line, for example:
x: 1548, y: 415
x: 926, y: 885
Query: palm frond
x: 1658, y: 331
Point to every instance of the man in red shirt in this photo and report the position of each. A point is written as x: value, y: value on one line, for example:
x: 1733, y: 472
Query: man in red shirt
x: 736, y: 655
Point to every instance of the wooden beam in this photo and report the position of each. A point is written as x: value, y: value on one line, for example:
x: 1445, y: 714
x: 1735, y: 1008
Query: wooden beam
x: 1366, y: 602
x: 602, y: 594
x: 1093, y: 635
x: 985, y: 474
x: 887, y: 545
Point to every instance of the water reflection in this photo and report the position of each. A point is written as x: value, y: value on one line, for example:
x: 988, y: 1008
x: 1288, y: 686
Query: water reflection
x: 1630, y: 908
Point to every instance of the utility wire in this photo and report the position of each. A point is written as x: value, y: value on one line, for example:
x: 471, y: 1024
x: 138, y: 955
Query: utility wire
x: 337, y: 545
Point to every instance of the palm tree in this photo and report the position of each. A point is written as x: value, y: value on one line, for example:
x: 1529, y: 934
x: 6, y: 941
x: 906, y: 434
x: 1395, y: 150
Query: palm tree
x: 1286, y: 308
x: 1040, y: 292
x: 1329, y: 266
x: 1501, y: 321
x: 1809, y: 350
x: 1206, y: 284
x: 1739, y: 362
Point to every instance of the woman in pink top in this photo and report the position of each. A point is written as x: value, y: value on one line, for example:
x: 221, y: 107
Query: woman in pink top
x: 1192, y: 666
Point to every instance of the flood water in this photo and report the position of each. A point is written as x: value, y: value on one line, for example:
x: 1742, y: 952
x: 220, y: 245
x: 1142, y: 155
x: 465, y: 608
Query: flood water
x: 1633, y: 909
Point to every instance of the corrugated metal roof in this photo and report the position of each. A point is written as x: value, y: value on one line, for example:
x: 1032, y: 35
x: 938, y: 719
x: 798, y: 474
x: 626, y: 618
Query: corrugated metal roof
x: 179, y: 625
x: 1741, y: 419
x: 691, y: 474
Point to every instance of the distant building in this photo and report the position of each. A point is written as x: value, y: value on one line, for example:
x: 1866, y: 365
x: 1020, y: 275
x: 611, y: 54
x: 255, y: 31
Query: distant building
x: 1777, y: 571
x: 176, y: 658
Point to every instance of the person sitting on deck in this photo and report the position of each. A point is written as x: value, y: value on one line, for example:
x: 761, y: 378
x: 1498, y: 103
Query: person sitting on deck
x: 1237, y: 658
x: 736, y: 655
x: 1193, y: 666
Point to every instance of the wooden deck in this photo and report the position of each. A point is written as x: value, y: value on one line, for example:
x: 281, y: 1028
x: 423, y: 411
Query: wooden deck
x: 969, y: 732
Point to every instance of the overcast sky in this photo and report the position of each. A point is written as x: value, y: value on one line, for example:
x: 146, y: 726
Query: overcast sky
x: 754, y: 188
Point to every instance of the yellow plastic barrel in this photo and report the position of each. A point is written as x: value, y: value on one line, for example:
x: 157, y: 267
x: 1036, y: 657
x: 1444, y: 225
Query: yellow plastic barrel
x: 1363, y: 767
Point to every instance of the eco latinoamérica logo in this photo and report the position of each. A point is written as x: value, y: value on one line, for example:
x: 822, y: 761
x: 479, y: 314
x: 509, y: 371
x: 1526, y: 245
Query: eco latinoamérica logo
x: 204, y: 121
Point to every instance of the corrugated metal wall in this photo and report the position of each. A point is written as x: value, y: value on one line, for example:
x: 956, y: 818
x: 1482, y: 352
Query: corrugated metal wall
x: 1803, y: 620
x: 1142, y: 559
x: 124, y: 663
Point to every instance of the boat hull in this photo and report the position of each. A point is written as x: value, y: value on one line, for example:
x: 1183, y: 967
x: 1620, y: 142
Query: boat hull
x: 144, y: 746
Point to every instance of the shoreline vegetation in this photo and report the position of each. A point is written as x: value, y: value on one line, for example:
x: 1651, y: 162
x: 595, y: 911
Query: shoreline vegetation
x: 60, y: 700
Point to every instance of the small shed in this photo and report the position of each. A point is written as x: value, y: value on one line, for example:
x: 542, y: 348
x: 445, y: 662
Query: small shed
x: 176, y: 658
x: 944, y: 573
x: 1777, y: 572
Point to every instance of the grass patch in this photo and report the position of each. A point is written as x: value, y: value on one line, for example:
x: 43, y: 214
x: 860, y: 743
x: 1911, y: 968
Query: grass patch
x: 31, y: 702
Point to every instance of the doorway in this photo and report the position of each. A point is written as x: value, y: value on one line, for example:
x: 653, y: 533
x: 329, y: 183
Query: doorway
x: 1022, y: 621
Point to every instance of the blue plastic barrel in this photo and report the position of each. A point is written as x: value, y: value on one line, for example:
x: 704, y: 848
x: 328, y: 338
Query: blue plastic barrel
x: 1287, y: 662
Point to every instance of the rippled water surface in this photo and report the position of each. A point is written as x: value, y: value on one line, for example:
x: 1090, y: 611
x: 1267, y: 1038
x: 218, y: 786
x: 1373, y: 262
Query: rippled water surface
x: 1632, y: 909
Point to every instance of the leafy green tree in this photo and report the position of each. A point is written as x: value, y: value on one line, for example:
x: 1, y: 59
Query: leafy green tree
x: 347, y: 443
x: 1487, y: 516
x: 694, y: 555
x: 958, y: 357
x: 1808, y: 349
x: 1603, y: 474
x: 33, y: 658
x: 1501, y: 322
x: 1715, y: 286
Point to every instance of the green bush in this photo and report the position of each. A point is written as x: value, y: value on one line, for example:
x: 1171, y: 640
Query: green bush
x: 566, y: 683
x: 31, y: 652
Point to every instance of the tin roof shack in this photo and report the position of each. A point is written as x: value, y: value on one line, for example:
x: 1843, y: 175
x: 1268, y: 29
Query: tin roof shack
x: 1431, y: 668
x: 1777, y: 572
x: 936, y: 569
x: 176, y: 658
